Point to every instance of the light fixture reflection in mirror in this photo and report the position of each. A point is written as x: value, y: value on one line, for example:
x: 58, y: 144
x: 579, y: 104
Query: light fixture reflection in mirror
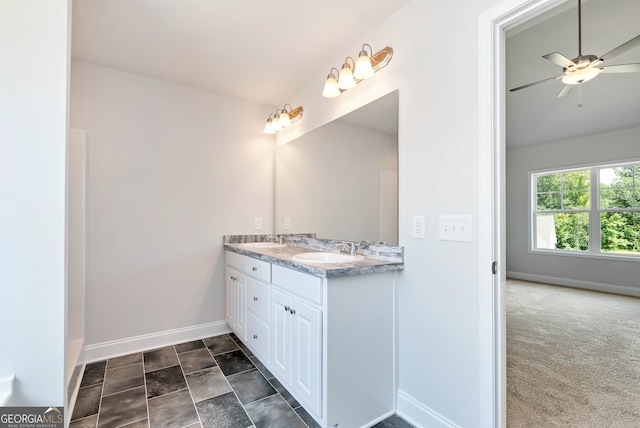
x: 340, y: 180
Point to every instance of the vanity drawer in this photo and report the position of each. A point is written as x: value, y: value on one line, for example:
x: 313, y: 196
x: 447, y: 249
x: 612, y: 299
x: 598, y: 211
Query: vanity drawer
x: 258, y: 298
x: 254, y: 267
x: 258, y: 338
x: 307, y: 286
x: 258, y: 269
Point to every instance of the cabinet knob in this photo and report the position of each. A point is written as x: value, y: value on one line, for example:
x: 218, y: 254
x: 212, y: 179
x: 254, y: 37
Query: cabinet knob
x: 255, y: 336
x: 255, y: 299
x: 286, y: 308
x: 254, y: 268
x: 233, y: 278
x: 292, y: 311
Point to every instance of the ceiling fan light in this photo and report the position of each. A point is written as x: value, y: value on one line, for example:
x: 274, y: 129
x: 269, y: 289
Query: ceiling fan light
x: 581, y: 75
x: 331, y: 89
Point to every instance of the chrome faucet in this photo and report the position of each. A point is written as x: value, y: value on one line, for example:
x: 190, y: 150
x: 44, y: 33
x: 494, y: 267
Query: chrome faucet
x: 349, y: 247
x: 275, y: 238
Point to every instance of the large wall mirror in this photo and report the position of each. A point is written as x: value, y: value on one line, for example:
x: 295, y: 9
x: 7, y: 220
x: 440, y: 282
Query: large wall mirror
x: 341, y: 180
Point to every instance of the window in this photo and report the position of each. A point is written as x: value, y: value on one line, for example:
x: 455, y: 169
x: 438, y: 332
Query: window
x: 591, y: 210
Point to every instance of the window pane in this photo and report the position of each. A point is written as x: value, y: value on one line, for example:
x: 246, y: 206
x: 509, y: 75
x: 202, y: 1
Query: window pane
x: 619, y: 187
x: 608, y: 199
x: 549, y: 201
x: 563, y: 231
x: 575, y: 200
x: 576, y: 180
x: 548, y: 183
x: 620, y: 232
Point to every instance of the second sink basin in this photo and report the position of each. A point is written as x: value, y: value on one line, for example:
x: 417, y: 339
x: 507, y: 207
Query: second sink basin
x: 325, y: 257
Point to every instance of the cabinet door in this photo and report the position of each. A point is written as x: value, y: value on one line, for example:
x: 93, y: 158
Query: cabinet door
x: 234, y: 301
x: 307, y: 353
x: 281, y: 335
x: 229, y: 307
x: 240, y: 305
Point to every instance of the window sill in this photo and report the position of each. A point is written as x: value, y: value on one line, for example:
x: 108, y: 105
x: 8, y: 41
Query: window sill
x: 587, y: 255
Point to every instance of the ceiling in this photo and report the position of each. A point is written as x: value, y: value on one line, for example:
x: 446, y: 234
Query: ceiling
x: 610, y: 101
x: 257, y: 50
x: 265, y: 50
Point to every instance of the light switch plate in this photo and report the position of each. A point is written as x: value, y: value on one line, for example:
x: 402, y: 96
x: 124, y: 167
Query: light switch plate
x: 455, y: 228
x: 287, y: 223
x: 257, y: 223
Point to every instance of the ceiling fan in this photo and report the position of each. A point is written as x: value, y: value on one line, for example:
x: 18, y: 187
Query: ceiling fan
x: 585, y: 67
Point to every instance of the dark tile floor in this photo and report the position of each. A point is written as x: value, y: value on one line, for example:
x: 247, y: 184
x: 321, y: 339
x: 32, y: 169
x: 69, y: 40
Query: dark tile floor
x: 214, y: 382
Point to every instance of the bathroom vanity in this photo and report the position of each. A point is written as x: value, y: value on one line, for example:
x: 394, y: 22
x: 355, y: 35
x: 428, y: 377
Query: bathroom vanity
x: 325, y: 329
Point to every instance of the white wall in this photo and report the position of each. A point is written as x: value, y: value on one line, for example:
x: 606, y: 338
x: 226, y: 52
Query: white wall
x: 328, y: 182
x: 434, y: 68
x: 76, y: 260
x: 170, y: 170
x: 33, y: 132
x: 606, y: 275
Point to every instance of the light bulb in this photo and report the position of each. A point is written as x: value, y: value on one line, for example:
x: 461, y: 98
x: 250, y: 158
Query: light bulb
x: 331, y: 89
x: 363, y: 66
x: 346, y: 80
x: 276, y: 123
x: 285, y: 120
x: 268, y: 127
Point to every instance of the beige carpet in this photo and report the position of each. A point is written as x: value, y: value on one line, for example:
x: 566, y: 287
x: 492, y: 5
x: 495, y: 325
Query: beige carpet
x: 573, y: 357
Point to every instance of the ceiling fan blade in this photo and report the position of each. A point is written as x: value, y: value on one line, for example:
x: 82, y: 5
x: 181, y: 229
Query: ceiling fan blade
x: 622, y: 68
x: 565, y: 91
x: 622, y: 48
x: 558, y: 59
x: 535, y: 83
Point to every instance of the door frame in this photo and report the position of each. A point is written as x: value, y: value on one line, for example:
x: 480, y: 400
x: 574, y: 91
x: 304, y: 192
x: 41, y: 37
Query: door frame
x: 492, y: 25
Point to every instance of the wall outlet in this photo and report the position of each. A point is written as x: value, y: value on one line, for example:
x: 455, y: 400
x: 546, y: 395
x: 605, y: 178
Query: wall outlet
x: 257, y: 223
x: 417, y: 226
x: 287, y: 223
x: 455, y: 228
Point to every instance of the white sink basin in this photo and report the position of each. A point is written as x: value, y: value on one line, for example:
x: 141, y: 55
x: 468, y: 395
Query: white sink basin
x: 263, y: 244
x: 325, y: 257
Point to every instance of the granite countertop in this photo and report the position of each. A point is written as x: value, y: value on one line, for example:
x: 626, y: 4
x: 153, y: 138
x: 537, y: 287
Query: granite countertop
x: 376, y: 258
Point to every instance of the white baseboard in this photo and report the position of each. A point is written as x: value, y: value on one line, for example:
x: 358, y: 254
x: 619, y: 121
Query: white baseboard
x: 419, y: 415
x: 6, y: 391
x: 116, y: 348
x: 576, y: 283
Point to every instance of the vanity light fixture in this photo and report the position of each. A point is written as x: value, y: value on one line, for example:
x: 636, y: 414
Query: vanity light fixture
x: 364, y: 70
x: 331, y: 89
x: 268, y: 127
x: 346, y: 80
x: 282, y: 118
x: 365, y: 67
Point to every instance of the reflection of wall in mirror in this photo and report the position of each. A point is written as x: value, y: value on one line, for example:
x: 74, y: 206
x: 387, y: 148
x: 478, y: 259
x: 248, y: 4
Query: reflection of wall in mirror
x: 339, y: 181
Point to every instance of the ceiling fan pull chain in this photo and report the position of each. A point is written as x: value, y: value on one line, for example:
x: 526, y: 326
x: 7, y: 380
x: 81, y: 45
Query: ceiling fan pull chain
x: 579, y: 94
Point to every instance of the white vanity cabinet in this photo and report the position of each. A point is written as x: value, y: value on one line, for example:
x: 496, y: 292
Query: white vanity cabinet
x: 331, y: 341
x: 234, y: 304
x: 296, y: 338
x: 247, y: 300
